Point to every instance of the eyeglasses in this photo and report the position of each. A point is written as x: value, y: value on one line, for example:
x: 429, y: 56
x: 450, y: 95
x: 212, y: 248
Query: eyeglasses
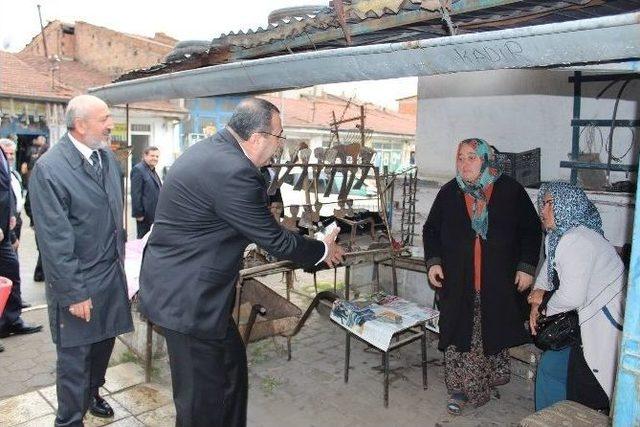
x: 545, y: 202
x: 284, y: 138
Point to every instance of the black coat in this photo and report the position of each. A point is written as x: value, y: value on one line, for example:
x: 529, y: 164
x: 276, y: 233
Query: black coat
x: 144, y: 192
x: 212, y: 204
x: 78, y: 219
x: 513, y: 243
x: 6, y: 197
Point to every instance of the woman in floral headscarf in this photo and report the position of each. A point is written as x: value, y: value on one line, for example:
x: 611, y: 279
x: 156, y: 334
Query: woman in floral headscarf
x: 582, y: 272
x: 482, y: 242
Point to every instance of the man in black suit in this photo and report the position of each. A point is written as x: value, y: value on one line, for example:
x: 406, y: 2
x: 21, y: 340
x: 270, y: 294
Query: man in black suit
x: 11, y: 322
x: 76, y: 198
x: 145, y: 187
x: 212, y: 205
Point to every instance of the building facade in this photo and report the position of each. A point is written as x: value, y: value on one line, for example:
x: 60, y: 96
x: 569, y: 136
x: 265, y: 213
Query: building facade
x: 82, y: 55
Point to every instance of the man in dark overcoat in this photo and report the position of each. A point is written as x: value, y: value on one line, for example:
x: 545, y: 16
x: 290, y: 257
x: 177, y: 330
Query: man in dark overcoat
x: 212, y: 204
x: 145, y: 188
x: 76, y: 199
x: 11, y: 322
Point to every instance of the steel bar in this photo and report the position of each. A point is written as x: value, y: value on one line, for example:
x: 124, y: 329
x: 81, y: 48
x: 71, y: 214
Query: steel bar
x: 597, y: 166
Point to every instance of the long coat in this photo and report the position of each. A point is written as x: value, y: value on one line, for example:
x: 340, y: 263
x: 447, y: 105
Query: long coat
x: 212, y: 204
x: 593, y: 281
x: 513, y: 243
x: 144, y: 192
x: 78, y: 221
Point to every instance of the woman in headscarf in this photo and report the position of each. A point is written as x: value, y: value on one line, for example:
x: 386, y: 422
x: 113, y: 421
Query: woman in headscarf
x: 582, y: 272
x: 482, y: 243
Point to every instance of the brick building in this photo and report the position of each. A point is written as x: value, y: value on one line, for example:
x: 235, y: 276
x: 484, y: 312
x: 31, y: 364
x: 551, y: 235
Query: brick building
x: 100, y: 48
x: 82, y: 55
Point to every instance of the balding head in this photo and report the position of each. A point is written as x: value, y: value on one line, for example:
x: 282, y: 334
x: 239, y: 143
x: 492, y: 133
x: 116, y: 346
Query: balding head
x: 80, y: 107
x: 89, y: 121
x: 252, y: 115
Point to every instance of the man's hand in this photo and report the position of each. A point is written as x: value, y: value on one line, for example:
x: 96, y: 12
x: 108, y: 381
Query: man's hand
x: 82, y: 309
x: 12, y: 222
x: 139, y: 218
x: 334, y: 250
x: 1, y: 235
x: 523, y: 281
x: 436, y: 276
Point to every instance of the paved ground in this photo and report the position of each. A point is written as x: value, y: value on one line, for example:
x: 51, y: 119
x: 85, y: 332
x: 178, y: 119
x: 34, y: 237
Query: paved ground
x: 309, y: 390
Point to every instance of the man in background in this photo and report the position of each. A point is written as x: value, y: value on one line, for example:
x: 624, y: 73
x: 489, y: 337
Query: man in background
x: 9, y: 149
x: 11, y: 322
x: 145, y: 188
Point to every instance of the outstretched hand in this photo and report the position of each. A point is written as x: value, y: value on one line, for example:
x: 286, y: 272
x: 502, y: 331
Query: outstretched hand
x: 335, y: 252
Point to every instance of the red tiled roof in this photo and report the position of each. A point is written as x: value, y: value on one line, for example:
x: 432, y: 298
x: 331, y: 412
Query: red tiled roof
x: 19, y: 79
x: 82, y: 77
x: 316, y: 112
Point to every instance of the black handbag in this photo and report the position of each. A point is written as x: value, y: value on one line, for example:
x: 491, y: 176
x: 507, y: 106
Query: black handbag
x: 559, y: 331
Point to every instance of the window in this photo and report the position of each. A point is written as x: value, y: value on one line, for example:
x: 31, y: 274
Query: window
x: 140, y: 128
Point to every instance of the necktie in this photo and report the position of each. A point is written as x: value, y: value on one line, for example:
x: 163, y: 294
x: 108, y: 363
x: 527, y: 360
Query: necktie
x: 95, y: 159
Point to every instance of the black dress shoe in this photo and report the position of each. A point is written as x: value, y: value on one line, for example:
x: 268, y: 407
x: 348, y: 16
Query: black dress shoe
x: 24, y: 305
x: 100, y: 407
x: 20, y: 328
x: 38, y: 277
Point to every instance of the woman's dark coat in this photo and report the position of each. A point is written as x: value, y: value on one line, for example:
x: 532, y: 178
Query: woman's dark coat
x: 513, y: 243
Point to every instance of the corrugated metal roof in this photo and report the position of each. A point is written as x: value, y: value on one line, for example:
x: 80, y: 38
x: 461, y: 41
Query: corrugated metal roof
x: 369, y: 22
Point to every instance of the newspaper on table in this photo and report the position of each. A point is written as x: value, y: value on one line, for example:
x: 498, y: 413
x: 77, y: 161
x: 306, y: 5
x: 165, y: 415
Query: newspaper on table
x: 376, y: 323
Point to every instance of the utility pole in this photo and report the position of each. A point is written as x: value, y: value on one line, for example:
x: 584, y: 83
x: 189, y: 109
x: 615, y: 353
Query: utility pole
x: 44, y: 40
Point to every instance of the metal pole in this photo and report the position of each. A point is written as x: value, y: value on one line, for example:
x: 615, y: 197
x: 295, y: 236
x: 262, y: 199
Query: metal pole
x: 126, y: 173
x: 44, y: 40
x: 575, y: 136
x: 626, y: 405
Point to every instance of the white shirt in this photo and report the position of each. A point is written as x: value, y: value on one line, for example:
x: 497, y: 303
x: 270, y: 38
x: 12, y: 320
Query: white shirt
x: 16, y: 186
x: 83, y: 149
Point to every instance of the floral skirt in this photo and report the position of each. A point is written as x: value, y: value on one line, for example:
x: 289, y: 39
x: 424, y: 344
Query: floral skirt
x: 472, y: 372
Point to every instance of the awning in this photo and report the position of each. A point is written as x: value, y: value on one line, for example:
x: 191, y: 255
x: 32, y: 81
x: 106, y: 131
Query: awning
x: 589, y: 41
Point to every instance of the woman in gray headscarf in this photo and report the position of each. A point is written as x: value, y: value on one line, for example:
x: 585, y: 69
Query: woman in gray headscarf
x: 582, y: 272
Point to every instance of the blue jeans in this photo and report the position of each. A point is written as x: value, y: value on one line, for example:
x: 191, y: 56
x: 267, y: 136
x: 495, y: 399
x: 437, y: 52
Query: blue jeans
x: 551, y: 378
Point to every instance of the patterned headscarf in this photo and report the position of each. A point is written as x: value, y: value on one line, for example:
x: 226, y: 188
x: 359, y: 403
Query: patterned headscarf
x: 571, y: 208
x: 489, y: 173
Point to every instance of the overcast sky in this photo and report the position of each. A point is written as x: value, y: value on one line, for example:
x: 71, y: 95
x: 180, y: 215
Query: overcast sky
x: 183, y: 20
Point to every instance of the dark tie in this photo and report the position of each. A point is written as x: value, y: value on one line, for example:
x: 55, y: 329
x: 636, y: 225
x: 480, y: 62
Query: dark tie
x: 156, y: 178
x: 95, y: 159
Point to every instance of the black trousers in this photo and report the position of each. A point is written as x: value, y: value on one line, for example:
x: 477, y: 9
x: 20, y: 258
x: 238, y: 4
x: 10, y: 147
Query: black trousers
x: 80, y: 373
x: 143, y: 227
x: 10, y: 268
x: 582, y: 385
x: 209, y: 379
x: 38, y: 271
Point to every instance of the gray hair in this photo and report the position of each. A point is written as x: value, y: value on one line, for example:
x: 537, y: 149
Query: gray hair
x: 78, y: 108
x: 252, y: 115
x: 5, y: 142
